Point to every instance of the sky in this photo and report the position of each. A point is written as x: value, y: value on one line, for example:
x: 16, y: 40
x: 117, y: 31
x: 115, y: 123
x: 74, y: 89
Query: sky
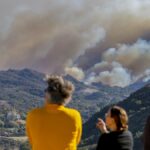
x: 104, y: 41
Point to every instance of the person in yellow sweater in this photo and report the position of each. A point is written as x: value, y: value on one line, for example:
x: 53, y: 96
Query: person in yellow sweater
x: 54, y: 126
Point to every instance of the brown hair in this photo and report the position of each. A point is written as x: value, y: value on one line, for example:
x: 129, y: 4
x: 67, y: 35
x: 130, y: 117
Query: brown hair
x: 120, y: 116
x: 59, y: 89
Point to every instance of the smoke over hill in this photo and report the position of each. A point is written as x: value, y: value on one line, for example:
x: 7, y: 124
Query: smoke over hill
x: 58, y: 36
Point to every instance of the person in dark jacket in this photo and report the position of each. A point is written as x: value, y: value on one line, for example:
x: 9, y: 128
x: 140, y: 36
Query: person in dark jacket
x: 115, y: 133
x: 147, y: 135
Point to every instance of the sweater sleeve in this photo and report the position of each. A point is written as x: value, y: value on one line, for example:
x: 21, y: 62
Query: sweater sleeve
x: 28, y: 133
x: 101, y: 141
x: 147, y: 135
x: 79, y: 127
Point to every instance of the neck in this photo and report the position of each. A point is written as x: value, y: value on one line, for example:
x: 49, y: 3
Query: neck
x: 51, y: 103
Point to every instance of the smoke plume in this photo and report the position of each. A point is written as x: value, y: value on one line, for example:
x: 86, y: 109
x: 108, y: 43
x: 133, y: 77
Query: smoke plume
x: 86, y: 39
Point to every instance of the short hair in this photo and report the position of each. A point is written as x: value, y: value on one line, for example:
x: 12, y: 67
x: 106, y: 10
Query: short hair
x: 59, y: 89
x: 120, y: 116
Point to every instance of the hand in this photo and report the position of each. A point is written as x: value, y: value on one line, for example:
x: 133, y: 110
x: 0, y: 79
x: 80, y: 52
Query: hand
x: 101, y: 126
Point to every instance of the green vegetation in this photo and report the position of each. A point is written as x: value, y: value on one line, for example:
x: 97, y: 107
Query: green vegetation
x: 23, y: 90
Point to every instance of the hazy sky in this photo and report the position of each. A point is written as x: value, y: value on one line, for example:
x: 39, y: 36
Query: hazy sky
x: 94, y: 40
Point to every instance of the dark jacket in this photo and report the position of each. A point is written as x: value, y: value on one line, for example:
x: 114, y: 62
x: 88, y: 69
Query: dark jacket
x: 147, y: 135
x: 122, y: 140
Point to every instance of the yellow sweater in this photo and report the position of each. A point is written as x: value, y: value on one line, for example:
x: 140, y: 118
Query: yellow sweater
x: 54, y: 127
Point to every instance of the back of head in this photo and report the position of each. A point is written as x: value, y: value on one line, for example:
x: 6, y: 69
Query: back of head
x: 59, y: 90
x: 120, y: 116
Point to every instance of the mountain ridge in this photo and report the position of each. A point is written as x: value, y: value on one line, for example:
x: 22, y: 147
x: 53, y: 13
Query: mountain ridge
x: 138, y: 108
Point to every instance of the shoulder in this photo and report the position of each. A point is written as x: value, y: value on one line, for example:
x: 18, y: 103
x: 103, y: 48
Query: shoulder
x: 34, y: 112
x: 126, y: 135
x: 121, y: 135
x: 128, y: 139
x: 73, y: 112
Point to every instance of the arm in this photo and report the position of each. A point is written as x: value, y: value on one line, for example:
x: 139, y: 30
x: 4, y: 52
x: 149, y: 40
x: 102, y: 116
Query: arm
x: 28, y: 129
x: 103, y: 141
x: 104, y: 134
x: 147, y: 135
x: 101, y: 126
x: 79, y: 124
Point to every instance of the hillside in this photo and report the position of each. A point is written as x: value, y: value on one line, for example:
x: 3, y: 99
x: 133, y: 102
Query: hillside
x: 138, y: 108
x: 23, y: 90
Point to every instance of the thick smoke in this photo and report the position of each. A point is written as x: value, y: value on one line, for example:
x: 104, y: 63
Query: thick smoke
x: 124, y: 22
x: 135, y: 57
x: 123, y: 65
x: 51, y: 35
x: 76, y: 72
x: 117, y: 77
x: 48, y: 39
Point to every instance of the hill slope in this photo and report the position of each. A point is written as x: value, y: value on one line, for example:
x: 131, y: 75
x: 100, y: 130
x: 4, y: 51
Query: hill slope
x: 138, y: 108
x: 23, y: 90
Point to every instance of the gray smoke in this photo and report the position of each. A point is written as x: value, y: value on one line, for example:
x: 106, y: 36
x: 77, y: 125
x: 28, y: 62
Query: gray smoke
x: 123, y: 65
x: 76, y: 72
x: 57, y: 36
x: 48, y: 39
